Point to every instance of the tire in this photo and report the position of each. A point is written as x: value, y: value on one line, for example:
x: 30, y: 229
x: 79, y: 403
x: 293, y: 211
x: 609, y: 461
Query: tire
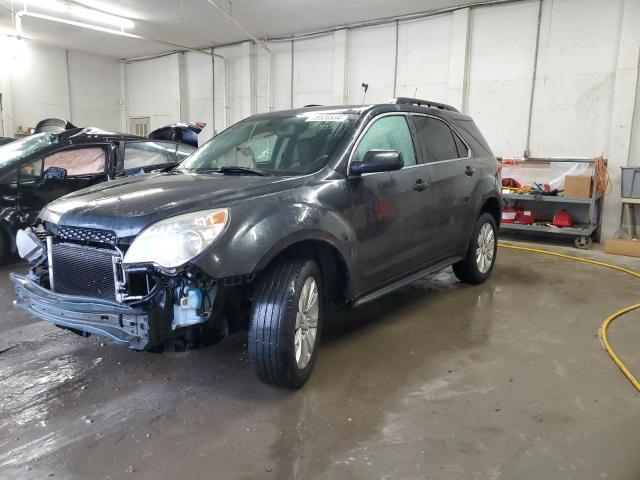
x: 276, y: 348
x: 477, y: 266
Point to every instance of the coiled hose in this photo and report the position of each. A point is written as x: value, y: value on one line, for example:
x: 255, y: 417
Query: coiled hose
x: 610, y: 318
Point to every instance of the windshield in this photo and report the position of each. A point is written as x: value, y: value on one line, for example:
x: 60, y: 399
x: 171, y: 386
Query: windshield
x: 12, y: 152
x: 275, y: 145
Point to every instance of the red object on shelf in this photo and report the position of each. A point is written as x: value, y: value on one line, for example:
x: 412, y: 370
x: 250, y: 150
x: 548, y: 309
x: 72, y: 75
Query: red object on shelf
x: 562, y: 219
x: 511, y: 182
x: 525, y: 216
x: 509, y: 215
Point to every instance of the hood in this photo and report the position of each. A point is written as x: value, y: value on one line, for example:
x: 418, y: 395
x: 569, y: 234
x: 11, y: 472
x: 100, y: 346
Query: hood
x: 128, y: 205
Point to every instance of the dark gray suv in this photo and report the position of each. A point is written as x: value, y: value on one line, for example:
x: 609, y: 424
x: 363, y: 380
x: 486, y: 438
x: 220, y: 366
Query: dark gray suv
x: 266, y: 226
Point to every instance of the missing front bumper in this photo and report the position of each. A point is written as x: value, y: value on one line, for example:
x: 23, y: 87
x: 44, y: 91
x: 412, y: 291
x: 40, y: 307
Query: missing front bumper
x: 122, y: 324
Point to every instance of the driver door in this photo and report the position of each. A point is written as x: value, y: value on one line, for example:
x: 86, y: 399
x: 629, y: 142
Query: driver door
x: 84, y: 167
x: 386, y: 205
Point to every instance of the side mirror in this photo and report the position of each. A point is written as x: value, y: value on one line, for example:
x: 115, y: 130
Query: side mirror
x: 53, y: 174
x: 377, y: 161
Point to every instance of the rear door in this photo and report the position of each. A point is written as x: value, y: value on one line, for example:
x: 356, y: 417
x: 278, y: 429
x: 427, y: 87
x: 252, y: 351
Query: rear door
x: 385, y: 205
x: 451, y: 171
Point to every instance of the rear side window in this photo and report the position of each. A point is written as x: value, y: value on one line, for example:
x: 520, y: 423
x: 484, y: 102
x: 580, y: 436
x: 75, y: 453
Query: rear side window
x: 79, y: 161
x: 148, y: 154
x: 463, y: 151
x: 388, y: 133
x: 437, y: 141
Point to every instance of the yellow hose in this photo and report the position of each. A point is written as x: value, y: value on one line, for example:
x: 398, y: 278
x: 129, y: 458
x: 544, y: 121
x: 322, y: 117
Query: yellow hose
x: 610, y: 318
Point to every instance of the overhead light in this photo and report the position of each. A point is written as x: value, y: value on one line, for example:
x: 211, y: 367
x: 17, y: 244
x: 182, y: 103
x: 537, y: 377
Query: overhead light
x: 82, y: 13
x: 101, y: 17
x: 66, y: 21
x: 54, y: 5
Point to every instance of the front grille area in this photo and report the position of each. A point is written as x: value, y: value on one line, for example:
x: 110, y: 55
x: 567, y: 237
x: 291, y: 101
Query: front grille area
x: 81, y: 270
x: 84, y: 235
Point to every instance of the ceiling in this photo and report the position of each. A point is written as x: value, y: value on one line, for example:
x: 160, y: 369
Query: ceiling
x: 195, y: 23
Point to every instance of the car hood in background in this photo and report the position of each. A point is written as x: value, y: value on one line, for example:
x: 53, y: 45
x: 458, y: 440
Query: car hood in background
x: 126, y: 206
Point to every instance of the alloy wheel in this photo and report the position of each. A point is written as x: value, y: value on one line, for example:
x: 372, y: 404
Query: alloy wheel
x: 306, y: 327
x: 486, y: 248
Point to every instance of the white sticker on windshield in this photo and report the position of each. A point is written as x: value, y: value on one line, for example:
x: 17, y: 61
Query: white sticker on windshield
x: 326, y: 117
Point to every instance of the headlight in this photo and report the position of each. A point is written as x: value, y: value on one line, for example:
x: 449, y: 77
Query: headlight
x: 173, y: 242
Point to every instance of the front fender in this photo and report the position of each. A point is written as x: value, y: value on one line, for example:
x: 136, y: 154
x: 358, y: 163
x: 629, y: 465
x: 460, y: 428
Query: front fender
x: 254, y: 238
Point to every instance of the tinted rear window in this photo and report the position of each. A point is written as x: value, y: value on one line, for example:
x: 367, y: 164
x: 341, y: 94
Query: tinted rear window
x: 436, y: 139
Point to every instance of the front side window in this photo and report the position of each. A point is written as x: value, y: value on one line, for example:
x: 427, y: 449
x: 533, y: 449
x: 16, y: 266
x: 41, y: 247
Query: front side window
x: 388, y: 133
x: 283, y: 145
x: 437, y: 141
x: 78, y: 161
x: 30, y: 171
x: 148, y: 154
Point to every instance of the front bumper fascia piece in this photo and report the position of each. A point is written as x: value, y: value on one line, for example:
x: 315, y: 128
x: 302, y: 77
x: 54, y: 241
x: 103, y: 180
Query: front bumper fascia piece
x: 124, y: 325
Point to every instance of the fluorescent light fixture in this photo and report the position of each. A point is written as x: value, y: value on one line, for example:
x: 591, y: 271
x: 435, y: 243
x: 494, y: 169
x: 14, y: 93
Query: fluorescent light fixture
x: 101, y: 17
x: 75, y: 23
x: 54, y: 5
x: 82, y: 13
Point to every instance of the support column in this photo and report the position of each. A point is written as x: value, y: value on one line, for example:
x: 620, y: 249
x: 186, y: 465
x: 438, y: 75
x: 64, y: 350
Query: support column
x: 459, y: 66
x: 624, y: 98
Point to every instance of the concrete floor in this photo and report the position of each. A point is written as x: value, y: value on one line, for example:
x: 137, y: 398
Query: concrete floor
x: 441, y: 380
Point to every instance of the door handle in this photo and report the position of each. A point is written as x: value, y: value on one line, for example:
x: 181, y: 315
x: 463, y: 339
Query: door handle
x: 469, y: 171
x: 420, y: 185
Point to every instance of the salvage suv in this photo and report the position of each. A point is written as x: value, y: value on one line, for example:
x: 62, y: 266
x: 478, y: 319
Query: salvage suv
x: 265, y: 226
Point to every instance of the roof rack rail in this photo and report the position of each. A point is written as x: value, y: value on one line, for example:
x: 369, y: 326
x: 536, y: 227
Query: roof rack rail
x: 423, y: 103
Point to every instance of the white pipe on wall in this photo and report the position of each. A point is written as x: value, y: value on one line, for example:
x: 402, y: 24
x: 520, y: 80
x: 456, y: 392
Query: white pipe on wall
x: 262, y: 43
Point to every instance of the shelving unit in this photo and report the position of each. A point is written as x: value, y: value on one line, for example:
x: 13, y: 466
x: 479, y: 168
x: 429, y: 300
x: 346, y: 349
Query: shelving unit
x: 587, y: 211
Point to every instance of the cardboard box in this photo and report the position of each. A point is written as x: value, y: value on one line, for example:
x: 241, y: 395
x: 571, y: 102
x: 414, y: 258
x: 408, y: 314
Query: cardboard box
x: 578, y: 186
x: 618, y: 246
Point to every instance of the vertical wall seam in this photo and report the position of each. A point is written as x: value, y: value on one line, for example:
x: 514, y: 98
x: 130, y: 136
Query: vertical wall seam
x: 213, y: 93
x: 467, y: 64
x: 292, y: 65
x: 533, y: 77
x: 347, y: 68
x: 395, y: 65
x: 124, y: 112
x: 69, y: 86
x: 632, y: 134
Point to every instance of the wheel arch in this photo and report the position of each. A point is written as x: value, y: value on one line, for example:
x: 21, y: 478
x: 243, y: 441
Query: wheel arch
x: 331, y: 262
x: 492, y: 206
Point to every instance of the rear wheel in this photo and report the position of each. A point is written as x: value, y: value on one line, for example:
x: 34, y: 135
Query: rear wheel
x: 285, y: 324
x: 477, y: 266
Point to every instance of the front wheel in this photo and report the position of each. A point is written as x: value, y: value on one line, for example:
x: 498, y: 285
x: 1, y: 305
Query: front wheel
x: 285, y: 324
x: 477, y: 266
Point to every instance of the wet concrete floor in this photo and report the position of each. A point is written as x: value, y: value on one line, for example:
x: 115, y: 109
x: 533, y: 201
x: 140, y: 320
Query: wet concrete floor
x: 439, y: 380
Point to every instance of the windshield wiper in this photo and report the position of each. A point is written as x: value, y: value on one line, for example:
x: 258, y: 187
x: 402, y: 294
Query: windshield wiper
x: 241, y: 170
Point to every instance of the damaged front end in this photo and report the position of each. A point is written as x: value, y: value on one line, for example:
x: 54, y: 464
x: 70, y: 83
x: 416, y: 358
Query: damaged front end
x: 79, y: 280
